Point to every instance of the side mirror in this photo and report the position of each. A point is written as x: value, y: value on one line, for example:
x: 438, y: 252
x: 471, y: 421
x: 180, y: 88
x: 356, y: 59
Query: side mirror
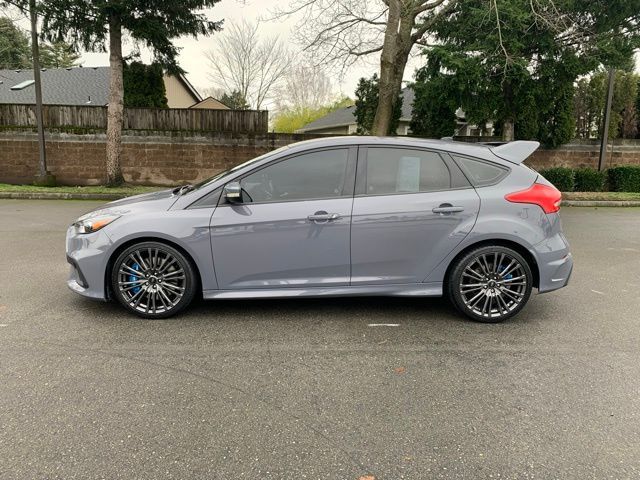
x: 233, y: 192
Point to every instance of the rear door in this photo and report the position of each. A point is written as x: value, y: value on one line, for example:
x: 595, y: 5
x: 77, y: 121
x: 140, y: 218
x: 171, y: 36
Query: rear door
x: 412, y: 208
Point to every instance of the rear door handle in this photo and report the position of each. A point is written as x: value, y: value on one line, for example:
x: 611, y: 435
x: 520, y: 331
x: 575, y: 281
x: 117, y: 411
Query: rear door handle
x: 323, y: 217
x: 447, y: 208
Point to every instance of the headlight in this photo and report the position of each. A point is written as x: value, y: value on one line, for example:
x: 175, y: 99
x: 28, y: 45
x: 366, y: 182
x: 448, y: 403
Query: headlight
x: 94, y: 223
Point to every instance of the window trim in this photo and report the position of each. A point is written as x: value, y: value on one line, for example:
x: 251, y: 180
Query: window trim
x: 349, y: 182
x: 361, y: 172
x: 504, y: 168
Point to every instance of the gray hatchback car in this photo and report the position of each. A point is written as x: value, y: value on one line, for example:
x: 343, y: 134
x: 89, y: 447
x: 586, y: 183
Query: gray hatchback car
x: 335, y: 217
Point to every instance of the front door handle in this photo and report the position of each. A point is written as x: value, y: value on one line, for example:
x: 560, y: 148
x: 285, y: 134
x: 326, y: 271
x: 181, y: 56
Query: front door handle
x: 447, y: 208
x: 323, y: 217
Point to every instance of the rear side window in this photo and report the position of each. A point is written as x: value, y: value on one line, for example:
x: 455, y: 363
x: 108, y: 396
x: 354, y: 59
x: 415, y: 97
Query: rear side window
x: 481, y: 173
x: 396, y: 170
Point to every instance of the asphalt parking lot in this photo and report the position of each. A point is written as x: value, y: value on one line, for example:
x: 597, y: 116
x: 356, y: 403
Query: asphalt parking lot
x: 309, y: 389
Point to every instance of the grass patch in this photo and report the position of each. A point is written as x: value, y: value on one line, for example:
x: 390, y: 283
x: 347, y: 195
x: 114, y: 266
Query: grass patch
x: 124, y: 190
x: 601, y: 196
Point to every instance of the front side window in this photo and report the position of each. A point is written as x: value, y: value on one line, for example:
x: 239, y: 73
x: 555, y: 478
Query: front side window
x: 397, y: 170
x: 314, y: 175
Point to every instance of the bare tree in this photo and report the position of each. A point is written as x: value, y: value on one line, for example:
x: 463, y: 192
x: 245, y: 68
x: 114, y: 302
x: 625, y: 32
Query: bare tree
x: 304, y: 86
x: 340, y: 32
x: 245, y: 62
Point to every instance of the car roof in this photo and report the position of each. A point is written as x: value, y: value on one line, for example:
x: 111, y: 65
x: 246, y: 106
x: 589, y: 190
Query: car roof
x: 463, y: 148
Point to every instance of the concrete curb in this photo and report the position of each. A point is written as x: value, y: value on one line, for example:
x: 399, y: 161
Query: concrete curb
x: 111, y: 196
x: 601, y: 203
x: 60, y: 196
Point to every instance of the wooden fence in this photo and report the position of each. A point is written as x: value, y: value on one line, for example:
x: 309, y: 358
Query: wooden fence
x: 161, y: 119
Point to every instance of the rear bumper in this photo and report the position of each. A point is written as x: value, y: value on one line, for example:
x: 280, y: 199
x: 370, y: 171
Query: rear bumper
x: 555, y: 263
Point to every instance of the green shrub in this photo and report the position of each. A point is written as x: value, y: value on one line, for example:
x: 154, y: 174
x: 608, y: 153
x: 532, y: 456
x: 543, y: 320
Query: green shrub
x: 589, y: 180
x: 562, y: 178
x: 624, y: 179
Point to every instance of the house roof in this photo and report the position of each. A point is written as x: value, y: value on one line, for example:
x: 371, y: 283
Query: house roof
x: 210, y: 102
x: 60, y: 86
x: 66, y: 86
x: 345, y: 116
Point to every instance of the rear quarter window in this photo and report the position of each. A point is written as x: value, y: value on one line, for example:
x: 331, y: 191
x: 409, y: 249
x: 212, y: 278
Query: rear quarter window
x: 481, y: 173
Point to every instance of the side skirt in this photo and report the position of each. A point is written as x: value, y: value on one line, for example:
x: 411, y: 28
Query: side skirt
x: 398, y: 290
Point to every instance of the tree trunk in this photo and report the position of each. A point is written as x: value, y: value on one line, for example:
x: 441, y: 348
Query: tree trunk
x: 508, y: 126
x: 508, y: 133
x: 393, y: 60
x: 115, y: 111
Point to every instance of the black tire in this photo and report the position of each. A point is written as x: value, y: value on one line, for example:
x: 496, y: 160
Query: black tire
x: 490, y: 284
x: 153, y: 280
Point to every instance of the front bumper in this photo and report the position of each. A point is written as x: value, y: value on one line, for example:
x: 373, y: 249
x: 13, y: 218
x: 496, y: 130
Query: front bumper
x: 87, y: 255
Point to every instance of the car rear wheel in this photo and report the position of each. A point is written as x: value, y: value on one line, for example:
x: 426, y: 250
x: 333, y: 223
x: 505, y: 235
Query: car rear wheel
x: 490, y: 284
x: 153, y: 280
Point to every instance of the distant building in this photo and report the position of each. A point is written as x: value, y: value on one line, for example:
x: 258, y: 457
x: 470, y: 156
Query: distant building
x: 343, y: 120
x: 88, y: 86
x: 210, y: 103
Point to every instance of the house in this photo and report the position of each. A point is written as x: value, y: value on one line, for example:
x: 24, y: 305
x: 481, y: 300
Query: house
x: 343, y: 120
x: 210, y: 103
x: 87, y: 86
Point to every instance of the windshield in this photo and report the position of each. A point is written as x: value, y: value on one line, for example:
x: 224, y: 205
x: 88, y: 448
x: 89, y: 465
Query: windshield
x: 238, y: 167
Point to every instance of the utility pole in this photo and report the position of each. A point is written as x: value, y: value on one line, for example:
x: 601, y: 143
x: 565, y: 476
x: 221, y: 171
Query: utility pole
x: 607, y: 116
x: 44, y: 177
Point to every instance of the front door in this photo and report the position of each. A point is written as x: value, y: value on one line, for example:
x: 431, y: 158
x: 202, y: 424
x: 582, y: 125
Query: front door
x: 412, y: 208
x: 292, y: 227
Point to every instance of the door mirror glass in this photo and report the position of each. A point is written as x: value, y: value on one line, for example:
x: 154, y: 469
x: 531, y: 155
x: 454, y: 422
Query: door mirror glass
x: 233, y: 192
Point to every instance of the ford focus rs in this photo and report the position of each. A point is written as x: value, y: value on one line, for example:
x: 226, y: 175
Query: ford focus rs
x: 335, y: 217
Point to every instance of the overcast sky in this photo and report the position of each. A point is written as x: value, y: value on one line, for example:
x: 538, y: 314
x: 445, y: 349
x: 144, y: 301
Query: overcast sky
x: 192, y: 58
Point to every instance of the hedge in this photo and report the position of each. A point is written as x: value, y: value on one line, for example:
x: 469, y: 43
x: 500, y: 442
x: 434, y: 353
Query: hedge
x: 563, y: 178
x: 618, y: 179
x: 589, y: 180
x: 624, y: 179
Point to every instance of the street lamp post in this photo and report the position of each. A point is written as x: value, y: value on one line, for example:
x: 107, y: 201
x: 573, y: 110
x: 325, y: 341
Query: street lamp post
x: 44, y: 177
x: 607, y: 116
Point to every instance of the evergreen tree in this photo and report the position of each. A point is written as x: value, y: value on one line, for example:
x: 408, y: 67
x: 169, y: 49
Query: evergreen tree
x: 100, y: 25
x: 366, y: 104
x: 144, y: 86
x: 58, y: 55
x: 516, y: 62
x: 15, y: 51
x: 235, y: 101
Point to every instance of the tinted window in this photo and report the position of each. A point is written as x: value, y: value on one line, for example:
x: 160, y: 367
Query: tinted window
x: 308, y: 176
x: 481, y: 173
x: 209, y: 200
x: 396, y: 170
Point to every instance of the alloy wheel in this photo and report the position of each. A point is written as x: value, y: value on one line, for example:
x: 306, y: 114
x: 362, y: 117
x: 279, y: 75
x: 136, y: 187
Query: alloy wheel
x: 493, y: 284
x: 151, y: 280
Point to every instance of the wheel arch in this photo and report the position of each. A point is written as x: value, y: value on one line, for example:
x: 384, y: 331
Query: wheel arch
x: 518, y: 247
x: 132, y: 241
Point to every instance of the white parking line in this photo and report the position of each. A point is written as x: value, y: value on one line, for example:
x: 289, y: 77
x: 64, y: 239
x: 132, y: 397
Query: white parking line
x: 384, y: 325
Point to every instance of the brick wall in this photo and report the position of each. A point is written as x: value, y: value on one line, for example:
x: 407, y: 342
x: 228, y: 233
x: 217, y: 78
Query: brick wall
x: 148, y: 159
x: 585, y: 153
x: 170, y: 158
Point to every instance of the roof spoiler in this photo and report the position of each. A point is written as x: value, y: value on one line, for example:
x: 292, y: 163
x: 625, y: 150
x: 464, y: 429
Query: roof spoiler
x: 516, y: 152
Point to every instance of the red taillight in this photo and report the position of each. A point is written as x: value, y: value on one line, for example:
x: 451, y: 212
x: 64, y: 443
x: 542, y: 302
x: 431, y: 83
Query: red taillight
x: 548, y: 198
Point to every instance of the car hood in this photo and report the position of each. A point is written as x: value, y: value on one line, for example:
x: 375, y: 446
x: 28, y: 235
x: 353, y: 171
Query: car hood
x: 144, y: 200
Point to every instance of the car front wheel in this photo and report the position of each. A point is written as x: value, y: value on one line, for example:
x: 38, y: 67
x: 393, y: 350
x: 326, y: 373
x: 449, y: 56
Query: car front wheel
x: 490, y: 284
x: 153, y: 280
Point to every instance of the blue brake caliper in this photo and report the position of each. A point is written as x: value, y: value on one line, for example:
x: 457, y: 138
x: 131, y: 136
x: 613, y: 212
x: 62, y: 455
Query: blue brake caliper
x: 501, y: 269
x: 135, y: 278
